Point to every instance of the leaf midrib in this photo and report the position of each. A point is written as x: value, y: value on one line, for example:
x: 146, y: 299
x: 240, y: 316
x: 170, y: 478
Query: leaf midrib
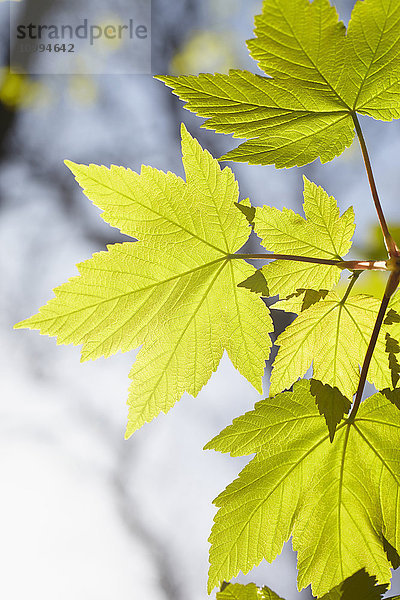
x: 311, y: 328
x: 377, y: 421
x: 232, y: 102
x: 212, y: 194
x: 365, y: 338
x: 339, y: 514
x: 286, y: 234
x: 261, y: 138
x: 250, y: 432
x: 192, y: 316
x: 337, y: 221
x: 119, y: 296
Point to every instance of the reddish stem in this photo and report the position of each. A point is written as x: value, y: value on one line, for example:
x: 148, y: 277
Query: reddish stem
x: 391, y: 287
x: 352, y: 265
x: 391, y: 245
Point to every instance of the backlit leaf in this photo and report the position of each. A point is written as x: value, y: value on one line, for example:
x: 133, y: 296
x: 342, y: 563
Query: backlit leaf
x: 323, y: 234
x: 257, y: 284
x: 175, y: 291
x: 236, y: 591
x: 319, y: 77
x: 336, y: 500
x: 359, y: 586
x: 332, y: 336
x: 331, y: 404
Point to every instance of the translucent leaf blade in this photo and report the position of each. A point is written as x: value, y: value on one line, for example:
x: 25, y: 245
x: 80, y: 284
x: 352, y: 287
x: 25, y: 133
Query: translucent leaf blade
x: 373, y: 59
x: 181, y: 359
x: 320, y: 77
x: 323, y: 234
x: 282, y: 48
x: 336, y: 499
x: 320, y: 336
x: 236, y: 591
x: 175, y: 292
x: 162, y: 208
x: 285, y: 125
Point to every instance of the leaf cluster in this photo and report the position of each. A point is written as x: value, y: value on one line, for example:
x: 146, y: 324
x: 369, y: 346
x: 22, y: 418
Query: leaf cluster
x: 184, y: 293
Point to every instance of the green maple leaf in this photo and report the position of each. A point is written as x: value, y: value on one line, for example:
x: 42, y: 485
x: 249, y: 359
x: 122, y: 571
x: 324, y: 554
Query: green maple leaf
x: 336, y: 499
x: 300, y: 300
x: 393, y: 338
x: 320, y: 78
x: 247, y: 209
x: 236, y: 591
x: 393, y: 348
x: 175, y: 291
x: 320, y: 336
x: 257, y: 284
x: 331, y: 403
x: 323, y: 234
x: 359, y: 586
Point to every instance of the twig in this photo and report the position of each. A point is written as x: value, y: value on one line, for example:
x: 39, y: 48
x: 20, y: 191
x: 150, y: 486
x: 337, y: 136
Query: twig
x: 389, y: 241
x: 352, y: 265
x: 391, y: 287
x: 353, y: 280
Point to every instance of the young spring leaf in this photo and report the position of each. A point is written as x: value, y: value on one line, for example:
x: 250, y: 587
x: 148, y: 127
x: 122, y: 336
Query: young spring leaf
x: 320, y: 78
x: 236, y: 591
x: 372, y: 59
x: 175, y: 291
x: 321, y: 336
x: 247, y: 209
x: 393, y: 349
x: 300, y: 301
x: 331, y: 403
x: 285, y: 125
x: 359, y: 586
x: 393, y: 338
x: 323, y: 234
x: 336, y: 499
x: 257, y: 284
